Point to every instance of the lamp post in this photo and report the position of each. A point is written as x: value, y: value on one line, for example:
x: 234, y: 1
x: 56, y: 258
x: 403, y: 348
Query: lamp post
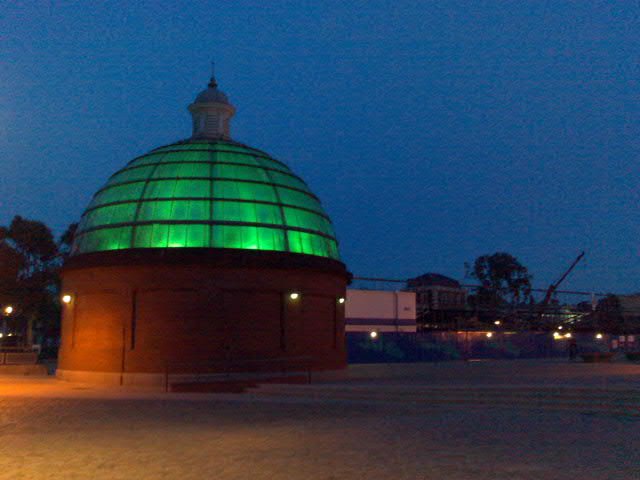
x: 6, y: 312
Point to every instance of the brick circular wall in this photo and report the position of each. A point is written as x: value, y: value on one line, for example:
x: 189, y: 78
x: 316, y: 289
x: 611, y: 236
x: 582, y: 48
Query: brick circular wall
x: 139, y: 313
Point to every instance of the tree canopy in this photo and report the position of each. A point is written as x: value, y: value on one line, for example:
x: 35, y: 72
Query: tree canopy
x: 503, y: 279
x: 30, y: 259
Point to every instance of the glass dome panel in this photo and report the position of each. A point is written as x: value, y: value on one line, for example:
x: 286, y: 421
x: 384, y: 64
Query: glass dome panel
x: 206, y: 195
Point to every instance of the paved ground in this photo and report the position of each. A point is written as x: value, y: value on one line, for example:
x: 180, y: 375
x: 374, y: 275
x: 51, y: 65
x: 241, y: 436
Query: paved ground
x: 52, y: 430
x: 496, y: 372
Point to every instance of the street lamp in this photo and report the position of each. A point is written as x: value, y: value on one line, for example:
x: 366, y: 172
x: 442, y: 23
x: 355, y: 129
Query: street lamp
x: 8, y: 310
x: 66, y: 298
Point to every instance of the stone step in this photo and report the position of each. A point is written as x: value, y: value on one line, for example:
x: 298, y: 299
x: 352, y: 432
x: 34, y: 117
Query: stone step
x: 233, y: 385
x: 211, y: 387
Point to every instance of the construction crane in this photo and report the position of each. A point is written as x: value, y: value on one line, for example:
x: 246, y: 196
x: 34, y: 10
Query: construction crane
x: 553, y: 287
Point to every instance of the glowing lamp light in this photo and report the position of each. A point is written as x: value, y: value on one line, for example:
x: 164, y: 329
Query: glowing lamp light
x: 294, y: 296
x: 599, y: 336
x: 489, y: 334
x: 556, y: 335
x: 497, y: 322
x: 66, y: 298
x: 374, y: 335
x: 8, y: 310
x: 341, y: 300
x: 568, y: 335
x: 560, y: 327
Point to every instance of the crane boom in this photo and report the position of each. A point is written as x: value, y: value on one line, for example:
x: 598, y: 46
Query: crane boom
x: 553, y: 287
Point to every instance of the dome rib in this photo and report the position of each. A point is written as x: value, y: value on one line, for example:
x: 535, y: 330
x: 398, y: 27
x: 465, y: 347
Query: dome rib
x: 160, y: 199
x: 279, y: 201
x: 129, y: 168
x: 206, y: 194
x: 259, y: 154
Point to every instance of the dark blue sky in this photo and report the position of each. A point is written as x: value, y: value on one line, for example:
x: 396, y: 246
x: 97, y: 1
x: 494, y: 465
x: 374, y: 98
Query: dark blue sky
x: 433, y: 132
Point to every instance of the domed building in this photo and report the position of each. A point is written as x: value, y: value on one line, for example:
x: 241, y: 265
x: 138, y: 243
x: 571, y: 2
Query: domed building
x: 202, y: 256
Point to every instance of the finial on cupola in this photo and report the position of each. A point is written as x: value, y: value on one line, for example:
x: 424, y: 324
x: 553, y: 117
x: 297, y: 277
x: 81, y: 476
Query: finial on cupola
x: 212, y: 82
x: 211, y: 112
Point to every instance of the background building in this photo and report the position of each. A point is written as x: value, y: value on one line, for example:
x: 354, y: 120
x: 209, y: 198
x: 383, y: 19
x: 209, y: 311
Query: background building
x: 441, y: 302
x: 380, y: 311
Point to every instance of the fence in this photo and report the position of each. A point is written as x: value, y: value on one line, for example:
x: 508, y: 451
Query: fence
x: 18, y: 358
x: 466, y: 345
x: 472, y: 308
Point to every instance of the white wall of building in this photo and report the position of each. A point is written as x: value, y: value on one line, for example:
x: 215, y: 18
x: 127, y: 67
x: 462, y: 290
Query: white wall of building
x: 380, y: 310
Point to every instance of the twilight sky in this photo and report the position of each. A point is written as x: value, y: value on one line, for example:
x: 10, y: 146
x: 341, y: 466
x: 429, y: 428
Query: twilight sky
x: 433, y: 132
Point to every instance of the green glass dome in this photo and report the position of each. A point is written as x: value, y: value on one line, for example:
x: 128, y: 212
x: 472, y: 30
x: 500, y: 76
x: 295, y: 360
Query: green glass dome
x: 206, y: 194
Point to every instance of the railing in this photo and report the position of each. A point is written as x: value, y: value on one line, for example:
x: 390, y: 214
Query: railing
x: 18, y: 357
x: 226, y: 368
x: 19, y: 349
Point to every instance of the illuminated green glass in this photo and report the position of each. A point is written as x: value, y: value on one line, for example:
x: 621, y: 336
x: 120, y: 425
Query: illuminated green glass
x: 159, y: 236
x: 120, y: 213
x: 302, y: 242
x: 177, y: 236
x: 149, y: 159
x: 269, y: 163
x: 300, y: 199
x: 250, y: 238
x: 244, y: 191
x: 287, y: 180
x: 118, y: 193
x: 247, y: 212
x: 107, y: 239
x: 268, y: 213
x: 240, y: 172
x: 143, y: 236
x: 198, y: 236
x: 230, y: 157
x: 296, y: 217
x: 139, y: 173
x: 206, y: 195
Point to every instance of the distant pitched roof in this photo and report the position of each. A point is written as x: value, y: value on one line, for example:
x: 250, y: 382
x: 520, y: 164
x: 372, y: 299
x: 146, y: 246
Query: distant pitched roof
x: 433, y: 279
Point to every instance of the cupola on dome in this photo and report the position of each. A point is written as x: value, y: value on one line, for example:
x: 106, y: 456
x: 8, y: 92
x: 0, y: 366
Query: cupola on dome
x: 206, y: 192
x: 212, y: 95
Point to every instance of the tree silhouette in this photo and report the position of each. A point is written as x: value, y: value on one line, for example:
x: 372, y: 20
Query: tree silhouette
x: 503, y: 281
x: 30, y: 260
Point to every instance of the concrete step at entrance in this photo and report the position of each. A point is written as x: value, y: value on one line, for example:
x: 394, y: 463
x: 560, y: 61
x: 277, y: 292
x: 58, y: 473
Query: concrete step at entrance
x: 233, y: 385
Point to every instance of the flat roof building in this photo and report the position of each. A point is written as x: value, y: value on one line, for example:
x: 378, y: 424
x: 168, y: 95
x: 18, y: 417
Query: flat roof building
x: 380, y: 311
